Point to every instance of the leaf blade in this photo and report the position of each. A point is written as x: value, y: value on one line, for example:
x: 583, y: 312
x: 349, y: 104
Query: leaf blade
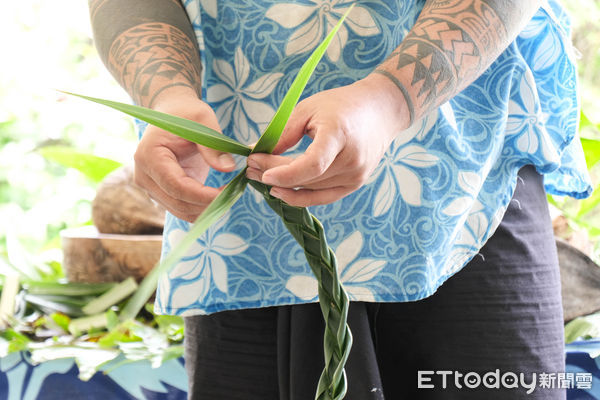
x: 216, y: 209
x: 270, y: 137
x: 185, y: 128
x: 93, y: 167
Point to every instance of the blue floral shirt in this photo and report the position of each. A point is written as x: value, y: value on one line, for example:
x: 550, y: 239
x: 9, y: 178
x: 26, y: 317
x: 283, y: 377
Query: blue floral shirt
x: 437, y: 195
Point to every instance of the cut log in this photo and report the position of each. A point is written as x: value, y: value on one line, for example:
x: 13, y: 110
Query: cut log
x: 122, y: 207
x: 91, y: 256
x: 580, y: 280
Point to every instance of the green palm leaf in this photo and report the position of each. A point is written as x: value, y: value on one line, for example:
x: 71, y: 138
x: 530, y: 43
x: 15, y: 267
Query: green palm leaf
x: 185, y: 128
x: 215, y: 210
x: 270, y: 137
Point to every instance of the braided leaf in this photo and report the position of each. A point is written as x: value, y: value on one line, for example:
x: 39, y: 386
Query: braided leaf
x: 303, y: 226
x: 308, y: 232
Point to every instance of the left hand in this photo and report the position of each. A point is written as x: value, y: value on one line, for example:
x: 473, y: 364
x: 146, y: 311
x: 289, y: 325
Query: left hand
x: 351, y: 127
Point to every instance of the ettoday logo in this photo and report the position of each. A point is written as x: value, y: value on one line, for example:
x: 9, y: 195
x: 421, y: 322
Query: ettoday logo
x: 471, y: 380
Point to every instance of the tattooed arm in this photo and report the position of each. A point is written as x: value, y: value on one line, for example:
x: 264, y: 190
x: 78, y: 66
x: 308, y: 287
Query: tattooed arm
x: 150, y: 48
x: 450, y: 45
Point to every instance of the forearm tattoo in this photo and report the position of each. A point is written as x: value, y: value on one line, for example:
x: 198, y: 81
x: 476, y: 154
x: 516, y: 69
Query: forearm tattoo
x: 451, y: 44
x: 148, y: 46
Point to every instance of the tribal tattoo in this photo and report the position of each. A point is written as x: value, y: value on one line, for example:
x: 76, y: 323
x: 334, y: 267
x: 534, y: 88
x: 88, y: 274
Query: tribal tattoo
x: 148, y: 46
x: 450, y: 45
x: 153, y: 57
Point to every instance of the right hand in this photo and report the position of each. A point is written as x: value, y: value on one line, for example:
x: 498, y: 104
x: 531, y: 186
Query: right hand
x: 173, y: 170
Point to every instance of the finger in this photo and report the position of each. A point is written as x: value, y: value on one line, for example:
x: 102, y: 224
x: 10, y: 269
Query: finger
x: 218, y: 160
x: 334, y: 181
x: 294, y: 129
x: 308, y: 197
x: 307, y: 167
x: 264, y: 161
x: 166, y: 172
x: 181, y: 209
x: 326, y: 182
x: 344, y: 174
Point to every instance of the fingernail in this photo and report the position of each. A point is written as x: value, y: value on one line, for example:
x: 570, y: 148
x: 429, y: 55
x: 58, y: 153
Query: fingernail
x: 276, y: 192
x: 226, y: 161
x: 269, y: 180
x: 253, y: 174
x: 253, y: 164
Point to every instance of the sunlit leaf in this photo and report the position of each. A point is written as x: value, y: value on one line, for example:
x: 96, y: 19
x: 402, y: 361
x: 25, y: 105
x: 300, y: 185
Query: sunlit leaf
x: 270, y: 137
x: 88, y: 356
x: 219, y: 206
x: 582, y: 327
x: 111, y: 297
x: 93, y: 167
x: 61, y: 320
x: 585, y: 123
x: 67, y: 289
x: 591, y: 150
x: 182, y: 127
x: 587, y: 205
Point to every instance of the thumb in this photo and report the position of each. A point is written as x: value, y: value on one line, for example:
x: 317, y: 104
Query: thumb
x: 294, y: 130
x: 218, y: 160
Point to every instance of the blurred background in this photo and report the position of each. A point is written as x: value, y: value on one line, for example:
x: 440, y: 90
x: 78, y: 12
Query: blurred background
x: 54, y: 148
x: 48, y: 46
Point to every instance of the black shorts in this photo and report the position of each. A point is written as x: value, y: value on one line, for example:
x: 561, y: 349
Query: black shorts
x: 498, y: 318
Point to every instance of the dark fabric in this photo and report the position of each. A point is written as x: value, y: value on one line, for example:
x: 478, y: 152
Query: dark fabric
x: 501, y: 312
x: 232, y: 355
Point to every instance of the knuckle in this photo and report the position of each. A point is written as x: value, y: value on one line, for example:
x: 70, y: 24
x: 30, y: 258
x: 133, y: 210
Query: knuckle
x: 190, y: 217
x: 318, y: 166
x: 360, y: 179
x: 138, y: 156
x: 173, y: 188
x: 357, y: 160
x: 138, y: 178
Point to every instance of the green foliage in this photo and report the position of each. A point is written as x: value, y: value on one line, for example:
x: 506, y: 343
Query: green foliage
x: 583, y: 214
x: 38, y: 197
x: 93, y: 167
x: 586, y: 38
x: 585, y: 327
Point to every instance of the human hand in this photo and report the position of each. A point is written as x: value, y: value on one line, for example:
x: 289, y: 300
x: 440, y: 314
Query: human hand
x: 351, y: 126
x: 173, y: 170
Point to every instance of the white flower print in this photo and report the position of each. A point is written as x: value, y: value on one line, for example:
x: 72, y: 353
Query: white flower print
x: 547, y: 52
x: 237, y: 96
x: 471, y: 236
x: 203, y: 264
x: 315, y: 21
x: 397, y: 164
x: 526, y: 120
x: 210, y: 6
x: 470, y: 183
x: 352, y: 274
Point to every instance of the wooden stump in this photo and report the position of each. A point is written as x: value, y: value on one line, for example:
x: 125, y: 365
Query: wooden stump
x: 91, y: 256
x: 121, y: 206
x: 580, y: 280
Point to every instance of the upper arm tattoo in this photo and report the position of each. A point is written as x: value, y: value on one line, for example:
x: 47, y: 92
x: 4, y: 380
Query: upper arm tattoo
x: 148, y: 46
x: 150, y: 58
x: 452, y: 43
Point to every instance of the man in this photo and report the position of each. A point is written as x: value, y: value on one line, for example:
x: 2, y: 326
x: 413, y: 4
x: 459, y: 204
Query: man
x: 421, y: 115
